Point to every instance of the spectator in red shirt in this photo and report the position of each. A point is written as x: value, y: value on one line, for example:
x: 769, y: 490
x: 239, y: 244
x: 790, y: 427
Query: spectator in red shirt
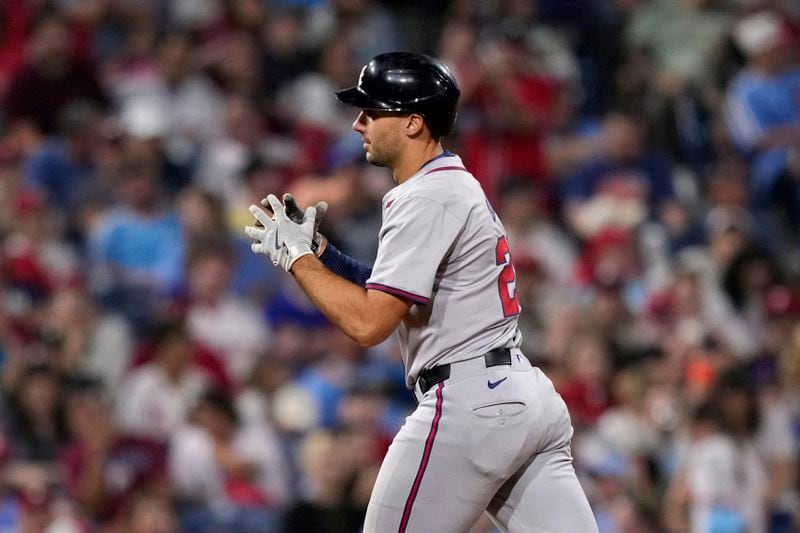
x: 15, y: 21
x: 50, y: 79
x: 103, y: 467
x: 586, y: 387
x: 514, y: 104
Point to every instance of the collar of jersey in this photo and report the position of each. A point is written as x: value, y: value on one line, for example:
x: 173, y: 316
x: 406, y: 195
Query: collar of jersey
x: 446, y: 153
x: 444, y: 159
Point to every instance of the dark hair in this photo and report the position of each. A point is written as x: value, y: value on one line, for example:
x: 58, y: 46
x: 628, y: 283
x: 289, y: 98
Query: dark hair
x: 27, y: 443
x: 258, y: 163
x: 706, y: 412
x: 732, y: 281
x: 169, y: 327
x: 218, y: 245
x: 221, y: 402
x: 737, y: 380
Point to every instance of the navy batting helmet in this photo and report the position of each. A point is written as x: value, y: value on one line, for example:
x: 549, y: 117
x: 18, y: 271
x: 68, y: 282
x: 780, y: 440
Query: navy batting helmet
x: 411, y: 82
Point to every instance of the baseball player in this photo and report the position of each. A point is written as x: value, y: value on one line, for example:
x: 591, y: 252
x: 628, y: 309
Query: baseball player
x: 489, y: 433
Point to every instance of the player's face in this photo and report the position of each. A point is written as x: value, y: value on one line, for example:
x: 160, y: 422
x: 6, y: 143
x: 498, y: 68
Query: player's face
x: 381, y: 132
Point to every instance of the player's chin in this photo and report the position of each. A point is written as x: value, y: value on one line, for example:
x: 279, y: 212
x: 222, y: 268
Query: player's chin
x: 373, y: 160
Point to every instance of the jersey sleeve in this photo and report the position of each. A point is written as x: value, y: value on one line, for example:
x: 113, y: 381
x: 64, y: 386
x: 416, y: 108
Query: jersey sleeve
x: 416, y: 235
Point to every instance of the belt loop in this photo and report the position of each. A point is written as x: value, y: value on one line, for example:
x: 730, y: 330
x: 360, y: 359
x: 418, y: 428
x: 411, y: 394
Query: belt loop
x: 432, y: 376
x: 423, y: 384
x: 498, y: 357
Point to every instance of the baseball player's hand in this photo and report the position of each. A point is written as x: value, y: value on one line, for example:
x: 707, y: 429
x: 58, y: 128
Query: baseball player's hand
x: 295, y: 214
x: 264, y: 236
x: 284, y: 240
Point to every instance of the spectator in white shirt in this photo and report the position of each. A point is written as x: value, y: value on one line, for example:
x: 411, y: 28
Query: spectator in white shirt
x: 157, y: 396
x: 219, y: 458
x: 220, y: 319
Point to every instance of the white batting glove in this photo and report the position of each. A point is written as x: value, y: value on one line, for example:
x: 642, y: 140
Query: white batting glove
x: 264, y: 237
x: 296, y: 214
x: 296, y: 239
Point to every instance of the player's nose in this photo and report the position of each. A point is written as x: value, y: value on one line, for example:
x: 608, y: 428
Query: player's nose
x: 359, y: 124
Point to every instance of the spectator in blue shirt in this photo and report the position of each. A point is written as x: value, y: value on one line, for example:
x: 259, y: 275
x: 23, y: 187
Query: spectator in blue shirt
x: 626, y: 184
x: 63, y: 167
x: 763, y: 111
x: 137, y: 249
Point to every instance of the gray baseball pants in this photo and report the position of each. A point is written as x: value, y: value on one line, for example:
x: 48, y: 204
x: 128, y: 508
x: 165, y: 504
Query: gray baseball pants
x: 487, y: 439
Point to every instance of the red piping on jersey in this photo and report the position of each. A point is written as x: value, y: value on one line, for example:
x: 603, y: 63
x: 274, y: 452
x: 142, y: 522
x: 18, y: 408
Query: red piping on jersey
x: 444, y: 168
x: 397, y: 292
x: 426, y: 455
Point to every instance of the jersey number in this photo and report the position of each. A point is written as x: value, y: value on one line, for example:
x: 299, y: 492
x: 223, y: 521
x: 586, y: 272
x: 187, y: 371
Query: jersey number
x: 507, y: 282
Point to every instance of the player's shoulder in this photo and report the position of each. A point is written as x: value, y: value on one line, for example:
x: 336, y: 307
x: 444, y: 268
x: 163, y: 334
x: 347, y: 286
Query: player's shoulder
x: 452, y: 182
x: 456, y: 192
x: 448, y: 176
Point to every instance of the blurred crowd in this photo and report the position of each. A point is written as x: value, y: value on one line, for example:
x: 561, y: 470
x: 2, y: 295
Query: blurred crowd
x: 157, y: 376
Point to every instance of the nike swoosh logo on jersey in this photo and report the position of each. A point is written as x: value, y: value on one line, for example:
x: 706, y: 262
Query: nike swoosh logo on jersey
x: 496, y: 383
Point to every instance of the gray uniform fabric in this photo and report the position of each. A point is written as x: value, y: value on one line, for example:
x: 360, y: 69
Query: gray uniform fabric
x: 438, y: 246
x: 491, y: 439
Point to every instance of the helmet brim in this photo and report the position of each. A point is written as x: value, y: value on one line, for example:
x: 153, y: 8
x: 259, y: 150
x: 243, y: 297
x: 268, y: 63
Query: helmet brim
x: 358, y: 98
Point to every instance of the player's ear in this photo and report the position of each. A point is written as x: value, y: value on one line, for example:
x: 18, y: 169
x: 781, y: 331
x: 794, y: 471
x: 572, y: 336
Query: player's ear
x: 415, y: 124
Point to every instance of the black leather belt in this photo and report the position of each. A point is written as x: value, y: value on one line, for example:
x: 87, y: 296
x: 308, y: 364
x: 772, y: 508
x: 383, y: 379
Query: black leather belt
x: 430, y: 377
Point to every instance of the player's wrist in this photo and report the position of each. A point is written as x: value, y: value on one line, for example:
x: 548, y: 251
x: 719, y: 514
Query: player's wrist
x: 319, y: 244
x: 300, y: 262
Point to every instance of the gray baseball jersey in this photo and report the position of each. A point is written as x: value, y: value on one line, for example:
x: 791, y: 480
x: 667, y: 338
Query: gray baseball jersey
x: 494, y: 438
x: 442, y: 246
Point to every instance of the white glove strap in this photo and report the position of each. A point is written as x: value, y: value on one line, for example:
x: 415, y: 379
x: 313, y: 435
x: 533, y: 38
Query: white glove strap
x: 296, y: 251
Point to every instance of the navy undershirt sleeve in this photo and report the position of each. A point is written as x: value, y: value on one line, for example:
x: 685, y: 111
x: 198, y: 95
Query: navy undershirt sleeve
x: 345, y: 266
